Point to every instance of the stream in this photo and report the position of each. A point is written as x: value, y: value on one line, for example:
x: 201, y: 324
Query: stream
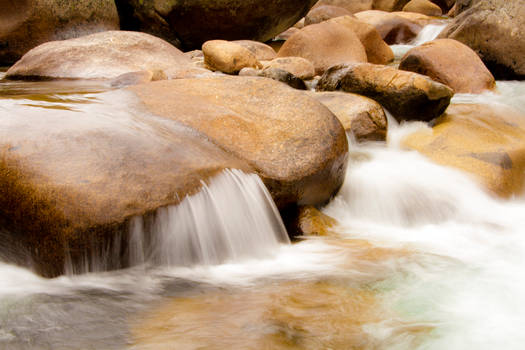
x: 423, y: 258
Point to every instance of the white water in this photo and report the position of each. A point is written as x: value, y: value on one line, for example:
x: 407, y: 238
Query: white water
x: 231, y: 218
x: 466, y: 281
x: 428, y: 33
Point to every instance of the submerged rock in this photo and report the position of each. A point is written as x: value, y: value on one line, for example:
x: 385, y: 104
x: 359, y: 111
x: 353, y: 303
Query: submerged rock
x: 451, y: 63
x: 495, y: 30
x: 191, y: 23
x: 104, y: 55
x: 407, y: 95
x: 486, y: 141
x: 25, y: 24
x: 362, y: 117
x: 325, y: 44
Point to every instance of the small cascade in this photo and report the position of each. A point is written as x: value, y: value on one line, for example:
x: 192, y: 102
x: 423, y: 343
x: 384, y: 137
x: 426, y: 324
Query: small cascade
x: 428, y: 33
x: 231, y: 218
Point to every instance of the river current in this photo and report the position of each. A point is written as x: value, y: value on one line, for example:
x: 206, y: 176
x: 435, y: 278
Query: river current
x: 423, y: 258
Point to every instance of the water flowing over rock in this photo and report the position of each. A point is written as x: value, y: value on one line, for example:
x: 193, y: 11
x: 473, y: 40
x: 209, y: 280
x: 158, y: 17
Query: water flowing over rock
x: 407, y: 95
x: 451, y: 63
x: 191, y: 23
x: 230, y: 219
x: 394, y: 29
x: 495, y: 30
x: 362, y: 117
x: 104, y: 55
x: 488, y: 142
x: 325, y: 44
x: 25, y: 24
x: 295, y: 144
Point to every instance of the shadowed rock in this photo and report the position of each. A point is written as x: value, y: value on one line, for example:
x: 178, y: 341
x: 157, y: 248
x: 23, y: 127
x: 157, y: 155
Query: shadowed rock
x: 407, y: 95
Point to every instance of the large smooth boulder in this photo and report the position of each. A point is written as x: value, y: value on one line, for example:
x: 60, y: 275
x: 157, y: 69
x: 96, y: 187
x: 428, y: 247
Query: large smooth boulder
x: 362, y: 117
x: 25, y: 24
x: 325, y: 44
x: 295, y: 144
x: 485, y: 141
x: 71, y: 179
x: 194, y: 22
x: 352, y: 6
x: 425, y: 7
x: 407, y: 95
x: 394, y: 29
x: 451, y: 63
x: 377, y: 50
x: 495, y: 30
x: 104, y: 55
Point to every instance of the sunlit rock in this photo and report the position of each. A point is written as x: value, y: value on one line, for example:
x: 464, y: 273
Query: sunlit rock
x: 451, y: 63
x: 486, y: 141
x: 228, y: 57
x: 377, y: 50
x: 104, y: 55
x: 295, y: 144
x: 261, y: 51
x: 425, y: 7
x: 322, y: 13
x: 495, y: 30
x: 407, y: 95
x: 325, y: 44
x: 298, y: 66
x: 362, y: 117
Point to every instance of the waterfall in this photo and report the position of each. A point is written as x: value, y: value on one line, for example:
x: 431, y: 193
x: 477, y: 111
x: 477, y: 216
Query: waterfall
x: 231, y: 218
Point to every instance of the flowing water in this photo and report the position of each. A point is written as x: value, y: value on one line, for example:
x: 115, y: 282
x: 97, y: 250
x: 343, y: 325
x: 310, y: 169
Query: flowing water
x: 422, y: 258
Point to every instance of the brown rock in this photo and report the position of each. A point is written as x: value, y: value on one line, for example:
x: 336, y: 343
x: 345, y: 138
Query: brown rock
x: 194, y: 22
x: 393, y: 29
x: 261, y: 51
x: 352, y: 6
x: 296, y: 145
x: 298, y: 66
x: 424, y: 7
x: 418, y: 18
x: 325, y: 45
x: 407, y: 95
x: 486, y: 141
x: 132, y: 78
x: 287, y: 34
x: 377, y: 50
x: 362, y: 117
x: 451, y: 63
x: 322, y: 13
x: 445, y: 5
x: 283, y: 76
x: 389, y: 5
x: 25, y: 24
x: 312, y: 222
x: 104, y: 55
x: 495, y: 30
x: 228, y: 57
x: 70, y: 180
